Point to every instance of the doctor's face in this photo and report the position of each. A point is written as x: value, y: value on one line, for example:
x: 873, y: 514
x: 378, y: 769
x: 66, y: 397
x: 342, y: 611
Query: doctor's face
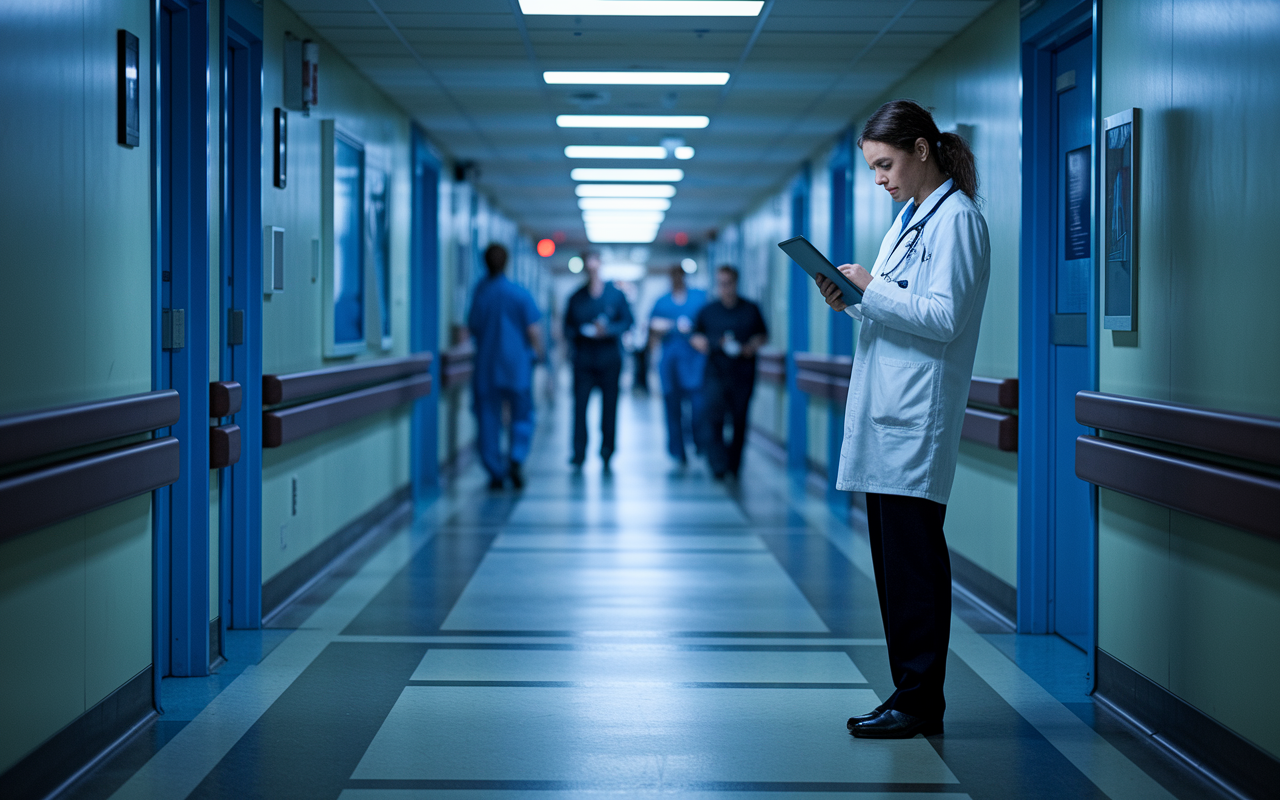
x: 901, y: 173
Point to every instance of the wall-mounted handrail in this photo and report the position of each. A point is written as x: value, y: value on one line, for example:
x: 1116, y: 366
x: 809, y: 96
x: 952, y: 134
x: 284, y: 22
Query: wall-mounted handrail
x: 224, y: 398
x: 992, y: 429
x: 36, y: 434
x: 822, y: 375
x: 771, y: 365
x: 1249, y: 436
x: 998, y: 392
x: 457, y: 364
x: 285, y: 425
x: 839, y: 366
x: 278, y: 389
x: 1222, y: 494
x: 32, y: 500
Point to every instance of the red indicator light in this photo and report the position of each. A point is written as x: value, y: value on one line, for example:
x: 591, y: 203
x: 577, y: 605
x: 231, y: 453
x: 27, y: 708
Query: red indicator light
x: 546, y: 248
x: 682, y: 238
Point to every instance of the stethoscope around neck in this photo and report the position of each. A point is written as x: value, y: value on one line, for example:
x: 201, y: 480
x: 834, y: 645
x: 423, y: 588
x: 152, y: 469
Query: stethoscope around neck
x: 912, y: 234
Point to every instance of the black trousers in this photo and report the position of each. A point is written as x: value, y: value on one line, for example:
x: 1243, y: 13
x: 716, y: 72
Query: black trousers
x: 913, y: 578
x: 585, y: 378
x: 731, y: 396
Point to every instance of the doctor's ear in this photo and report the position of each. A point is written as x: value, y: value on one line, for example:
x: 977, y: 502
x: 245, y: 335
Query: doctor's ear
x: 922, y: 148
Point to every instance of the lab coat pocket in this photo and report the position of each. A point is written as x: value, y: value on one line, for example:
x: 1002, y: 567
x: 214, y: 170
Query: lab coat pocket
x: 901, y: 393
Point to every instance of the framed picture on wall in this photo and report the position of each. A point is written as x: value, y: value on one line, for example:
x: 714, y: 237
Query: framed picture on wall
x: 342, y: 235
x: 378, y: 235
x: 1120, y: 220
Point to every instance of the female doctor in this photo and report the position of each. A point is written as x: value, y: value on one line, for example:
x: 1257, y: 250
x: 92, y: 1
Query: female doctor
x: 920, y: 312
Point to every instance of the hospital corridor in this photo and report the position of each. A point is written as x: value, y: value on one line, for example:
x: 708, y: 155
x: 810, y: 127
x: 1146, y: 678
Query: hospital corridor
x: 592, y: 399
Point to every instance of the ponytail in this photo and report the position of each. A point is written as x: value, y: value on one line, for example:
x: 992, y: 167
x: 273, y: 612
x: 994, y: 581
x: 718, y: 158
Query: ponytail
x: 900, y: 123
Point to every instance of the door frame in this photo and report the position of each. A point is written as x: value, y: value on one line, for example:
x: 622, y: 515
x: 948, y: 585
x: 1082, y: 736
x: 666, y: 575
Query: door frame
x: 180, y: 214
x: 1043, y: 32
x: 841, y: 327
x: 424, y: 313
x: 240, y: 504
x: 799, y: 286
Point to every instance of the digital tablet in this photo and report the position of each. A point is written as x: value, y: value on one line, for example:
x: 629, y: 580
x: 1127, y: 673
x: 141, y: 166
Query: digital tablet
x: 811, y: 261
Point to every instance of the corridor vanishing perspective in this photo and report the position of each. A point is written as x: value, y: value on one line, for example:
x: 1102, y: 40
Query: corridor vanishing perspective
x: 635, y: 635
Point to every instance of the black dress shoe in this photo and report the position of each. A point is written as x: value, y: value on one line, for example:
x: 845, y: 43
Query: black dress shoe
x: 517, y: 475
x: 870, y: 715
x: 495, y: 484
x: 893, y: 724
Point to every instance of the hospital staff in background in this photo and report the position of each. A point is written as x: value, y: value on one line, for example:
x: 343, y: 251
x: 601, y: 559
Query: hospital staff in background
x: 681, y: 367
x: 504, y: 324
x: 729, y: 330
x: 596, y: 317
x: 920, y: 312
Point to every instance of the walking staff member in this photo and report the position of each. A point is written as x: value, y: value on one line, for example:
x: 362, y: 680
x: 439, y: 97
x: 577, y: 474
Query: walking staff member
x: 682, y: 366
x: 729, y: 330
x: 598, y: 314
x: 920, y: 315
x: 504, y: 323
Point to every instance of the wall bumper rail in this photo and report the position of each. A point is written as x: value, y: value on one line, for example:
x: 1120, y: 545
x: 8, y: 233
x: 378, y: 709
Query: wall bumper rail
x: 1221, y: 494
x: 997, y: 425
x: 42, y: 433
x: 771, y: 366
x: 457, y: 364
x: 821, y: 375
x: 282, y: 426
x: 278, y: 389
x: 68, y: 489
x: 1248, y: 436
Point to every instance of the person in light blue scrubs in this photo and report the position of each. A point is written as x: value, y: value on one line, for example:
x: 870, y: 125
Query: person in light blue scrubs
x: 681, y: 367
x: 504, y: 323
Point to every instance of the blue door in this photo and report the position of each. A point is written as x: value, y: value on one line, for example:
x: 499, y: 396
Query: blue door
x: 1071, y: 550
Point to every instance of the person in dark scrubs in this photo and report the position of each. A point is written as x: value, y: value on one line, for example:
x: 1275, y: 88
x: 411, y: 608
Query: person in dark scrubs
x: 729, y: 330
x: 596, y: 316
x: 504, y: 323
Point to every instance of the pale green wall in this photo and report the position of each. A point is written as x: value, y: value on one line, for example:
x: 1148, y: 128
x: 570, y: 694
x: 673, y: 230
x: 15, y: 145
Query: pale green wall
x: 1195, y: 606
x: 75, y: 306
x: 348, y: 470
x: 974, y: 80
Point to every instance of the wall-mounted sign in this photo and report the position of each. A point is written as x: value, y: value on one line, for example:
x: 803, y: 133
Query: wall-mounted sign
x: 128, y: 117
x: 1120, y: 221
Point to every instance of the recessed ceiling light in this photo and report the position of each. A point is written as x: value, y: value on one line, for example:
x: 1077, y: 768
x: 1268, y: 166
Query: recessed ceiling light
x: 684, y: 152
x: 624, y: 204
x: 643, y: 8
x: 638, y: 78
x: 630, y: 121
x: 622, y: 236
x: 607, y: 174
x: 614, y: 151
x: 623, y: 217
x: 624, y: 190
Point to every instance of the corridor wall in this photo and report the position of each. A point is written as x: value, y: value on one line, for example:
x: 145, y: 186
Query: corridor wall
x: 1193, y: 606
x: 75, y: 312
x: 345, y: 472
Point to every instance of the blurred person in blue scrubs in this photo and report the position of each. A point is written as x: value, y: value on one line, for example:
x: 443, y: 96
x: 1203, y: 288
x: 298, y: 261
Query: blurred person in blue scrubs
x: 681, y: 367
x: 594, y: 321
x: 504, y: 323
x: 729, y: 330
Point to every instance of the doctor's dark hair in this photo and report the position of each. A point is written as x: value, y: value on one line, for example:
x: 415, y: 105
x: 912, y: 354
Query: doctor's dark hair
x: 495, y: 258
x: 899, y: 123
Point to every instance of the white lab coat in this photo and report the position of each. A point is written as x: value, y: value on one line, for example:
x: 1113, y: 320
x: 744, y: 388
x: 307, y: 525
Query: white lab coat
x: 915, y: 354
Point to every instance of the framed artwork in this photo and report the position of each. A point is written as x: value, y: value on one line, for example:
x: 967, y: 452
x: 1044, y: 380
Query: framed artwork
x: 343, y: 241
x: 1120, y: 220
x: 128, y: 119
x: 378, y: 235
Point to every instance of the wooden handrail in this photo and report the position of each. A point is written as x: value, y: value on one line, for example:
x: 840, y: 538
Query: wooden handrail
x: 1222, y: 494
x: 282, y: 426
x: 286, y: 388
x: 36, y: 434
x: 41, y: 497
x: 1249, y: 436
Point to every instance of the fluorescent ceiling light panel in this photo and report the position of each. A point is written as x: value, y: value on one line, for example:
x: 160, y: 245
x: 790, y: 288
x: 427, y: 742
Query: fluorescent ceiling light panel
x: 624, y: 190
x: 622, y: 237
x: 610, y: 174
x: 614, y: 151
x: 620, y: 217
x: 667, y: 121
x: 684, y: 152
x: 643, y: 8
x: 637, y: 78
x: 624, y: 204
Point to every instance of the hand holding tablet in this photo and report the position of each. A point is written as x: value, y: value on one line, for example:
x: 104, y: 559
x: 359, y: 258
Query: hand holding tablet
x: 813, y: 262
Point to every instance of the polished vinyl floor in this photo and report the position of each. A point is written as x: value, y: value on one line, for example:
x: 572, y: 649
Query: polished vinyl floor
x: 641, y: 635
